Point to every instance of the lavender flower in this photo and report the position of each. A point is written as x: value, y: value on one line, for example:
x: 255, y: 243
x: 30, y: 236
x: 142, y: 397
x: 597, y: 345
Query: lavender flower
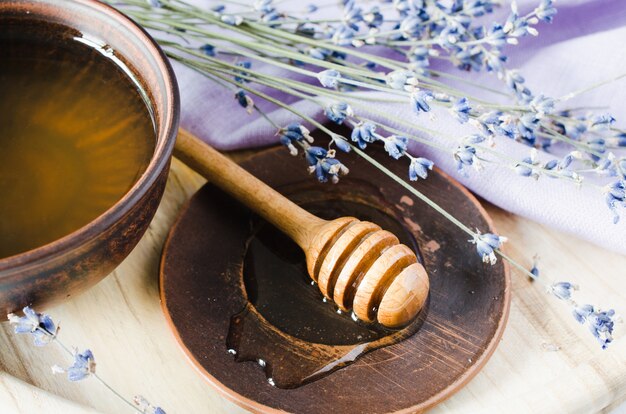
x: 470, y: 58
x: 338, y: 112
x: 535, y: 269
x: 478, y: 8
x: 373, y: 18
x: 324, y: 164
x: 39, y: 325
x: 341, y: 143
x: 244, y: 100
x: 419, y: 57
x: 314, y: 154
x: 551, y: 165
x: 208, y: 50
x: 271, y: 17
x: 526, y: 125
x: 293, y: 133
x: 395, y: 146
x: 155, y: 3
x: 403, y: 7
x: 606, y: 166
x: 494, y: 62
x: 515, y: 82
x: 620, y: 166
x: 563, y: 290
x: 442, y: 97
x: 545, y: 11
x: 84, y: 366
x: 575, y: 128
x: 487, y: 122
x: 567, y: 160
x: 582, y: 312
x: 319, y: 53
x: 399, y: 79
x: 461, y: 110
x: 244, y: 65
x: 496, y: 36
x: 343, y: 36
x: 329, y: 78
x: 527, y: 167
x: 542, y: 104
x: 601, y: 122
x: 506, y: 126
x: 465, y: 154
x: 363, y: 133
x: 486, y: 244
x: 371, y: 65
x: 306, y: 30
x: 619, y: 140
x: 146, y: 407
x: 419, y: 168
x: 411, y: 27
x: 330, y: 167
x: 517, y: 26
x: 597, y: 145
x: 420, y: 99
x: 352, y: 15
x: 615, y: 195
x: 232, y: 19
x: 263, y: 6
x: 600, y: 323
x: 450, y: 36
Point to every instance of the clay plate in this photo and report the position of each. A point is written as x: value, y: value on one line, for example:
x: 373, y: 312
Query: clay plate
x: 201, y: 288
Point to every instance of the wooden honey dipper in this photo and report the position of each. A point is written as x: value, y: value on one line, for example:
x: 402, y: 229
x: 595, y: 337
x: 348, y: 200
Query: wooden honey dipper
x: 355, y: 263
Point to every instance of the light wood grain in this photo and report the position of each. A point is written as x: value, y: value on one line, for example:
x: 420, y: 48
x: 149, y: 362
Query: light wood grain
x: 19, y: 397
x: 121, y: 321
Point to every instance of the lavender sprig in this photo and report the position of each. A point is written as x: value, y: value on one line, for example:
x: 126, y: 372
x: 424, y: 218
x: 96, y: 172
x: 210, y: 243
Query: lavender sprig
x: 520, y: 127
x: 44, y: 331
x: 333, y: 57
x: 600, y: 323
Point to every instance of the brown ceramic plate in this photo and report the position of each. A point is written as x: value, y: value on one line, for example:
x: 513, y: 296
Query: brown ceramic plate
x: 201, y: 289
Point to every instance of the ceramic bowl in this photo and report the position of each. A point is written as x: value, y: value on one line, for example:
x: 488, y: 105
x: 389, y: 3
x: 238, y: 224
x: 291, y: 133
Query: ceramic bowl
x: 58, y: 270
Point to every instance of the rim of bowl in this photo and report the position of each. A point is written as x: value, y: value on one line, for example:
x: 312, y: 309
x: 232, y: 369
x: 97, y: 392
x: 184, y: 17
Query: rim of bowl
x: 158, y: 162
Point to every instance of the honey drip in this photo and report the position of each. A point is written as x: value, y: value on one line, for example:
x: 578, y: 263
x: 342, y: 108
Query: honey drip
x: 288, y: 328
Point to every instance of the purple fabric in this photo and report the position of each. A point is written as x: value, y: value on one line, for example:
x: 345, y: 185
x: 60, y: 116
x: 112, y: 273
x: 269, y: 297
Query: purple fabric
x: 584, y: 45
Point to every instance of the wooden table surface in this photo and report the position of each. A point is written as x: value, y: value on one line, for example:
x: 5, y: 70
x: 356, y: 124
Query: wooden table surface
x: 545, y: 363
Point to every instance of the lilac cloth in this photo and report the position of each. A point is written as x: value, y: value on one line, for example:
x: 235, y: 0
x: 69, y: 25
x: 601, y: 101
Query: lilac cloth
x: 584, y: 45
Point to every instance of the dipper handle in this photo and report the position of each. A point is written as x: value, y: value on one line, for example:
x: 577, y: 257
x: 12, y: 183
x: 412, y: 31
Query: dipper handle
x: 294, y: 221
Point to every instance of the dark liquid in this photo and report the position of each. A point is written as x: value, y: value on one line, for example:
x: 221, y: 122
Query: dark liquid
x: 75, y: 134
x: 281, y: 291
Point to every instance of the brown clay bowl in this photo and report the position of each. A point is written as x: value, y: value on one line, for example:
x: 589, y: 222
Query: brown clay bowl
x: 67, y: 266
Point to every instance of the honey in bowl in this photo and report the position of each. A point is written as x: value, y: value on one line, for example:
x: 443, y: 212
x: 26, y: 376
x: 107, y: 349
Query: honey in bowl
x: 75, y: 133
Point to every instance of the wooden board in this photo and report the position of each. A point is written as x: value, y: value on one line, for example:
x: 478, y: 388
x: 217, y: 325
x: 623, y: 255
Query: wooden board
x: 121, y: 321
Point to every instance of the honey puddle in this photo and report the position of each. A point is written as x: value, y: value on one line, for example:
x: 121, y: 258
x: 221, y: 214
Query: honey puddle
x: 288, y: 327
x: 75, y: 134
